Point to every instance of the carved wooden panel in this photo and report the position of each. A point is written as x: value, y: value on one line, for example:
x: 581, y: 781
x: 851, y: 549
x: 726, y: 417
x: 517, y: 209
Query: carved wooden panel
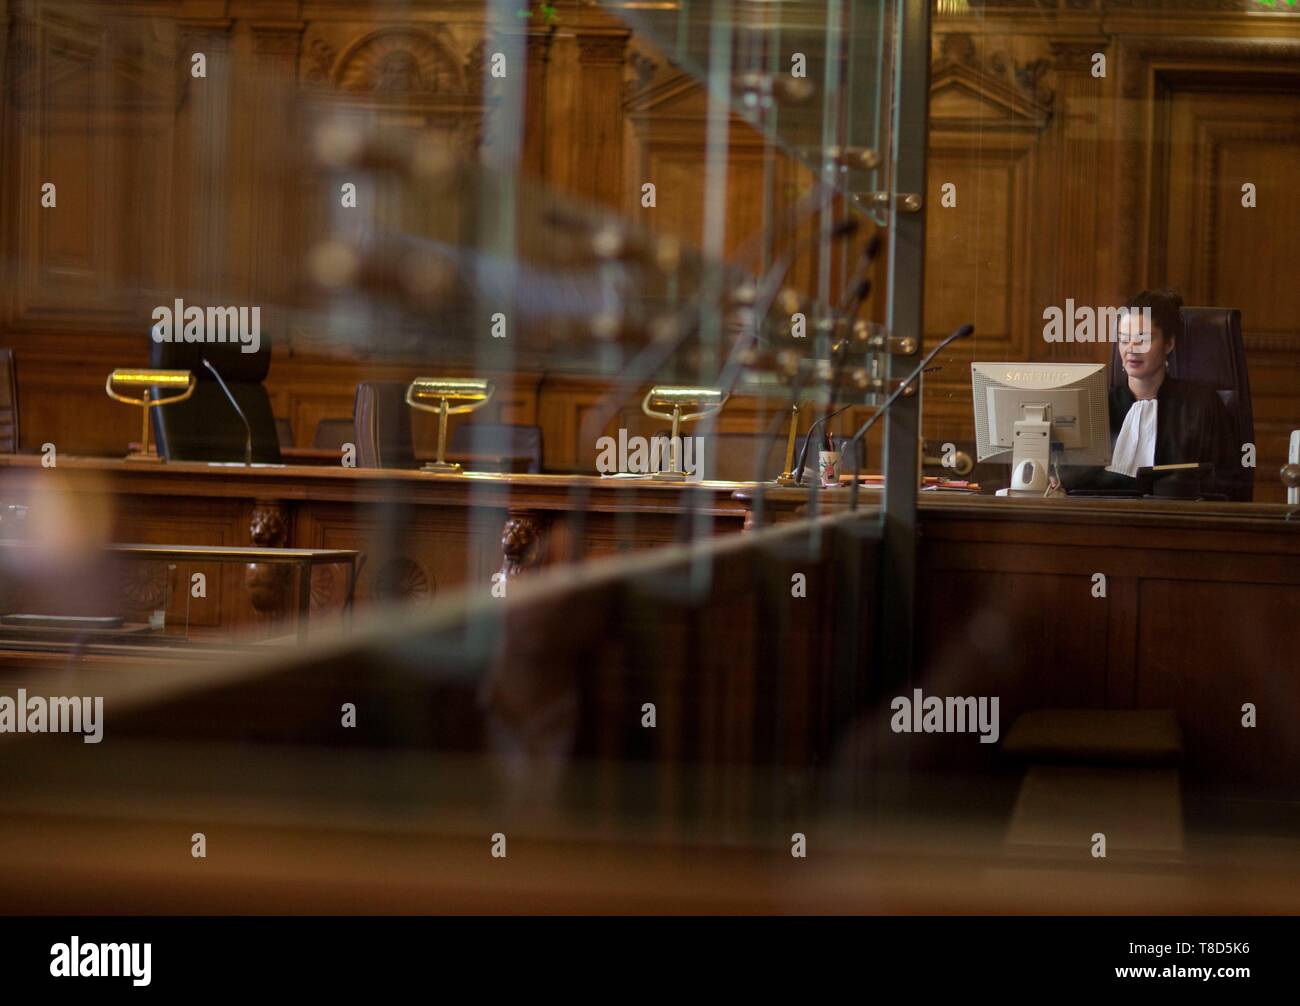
x: 978, y: 252
x: 989, y: 110
x: 1194, y: 619
x: 440, y: 549
x: 667, y: 116
x: 90, y: 111
x: 1216, y: 249
x: 1221, y: 252
x: 149, y: 586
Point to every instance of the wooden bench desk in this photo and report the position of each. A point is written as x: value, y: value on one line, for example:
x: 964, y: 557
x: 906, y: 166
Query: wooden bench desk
x: 421, y: 532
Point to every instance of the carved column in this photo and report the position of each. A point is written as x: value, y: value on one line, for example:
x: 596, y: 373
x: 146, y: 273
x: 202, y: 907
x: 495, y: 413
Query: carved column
x: 533, y: 157
x: 203, y: 162
x: 601, y: 53
x: 271, y: 229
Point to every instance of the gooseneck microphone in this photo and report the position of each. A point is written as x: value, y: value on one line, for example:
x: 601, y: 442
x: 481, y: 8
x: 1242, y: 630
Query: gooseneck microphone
x: 852, y: 444
x: 856, y: 293
x: 248, y: 429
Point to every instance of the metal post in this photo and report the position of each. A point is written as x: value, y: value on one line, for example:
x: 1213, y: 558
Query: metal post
x: 304, y: 598
x: 911, y: 86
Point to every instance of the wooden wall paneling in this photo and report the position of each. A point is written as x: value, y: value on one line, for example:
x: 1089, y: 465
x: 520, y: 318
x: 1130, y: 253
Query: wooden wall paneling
x: 1070, y: 204
x: 574, y: 414
x: 307, y: 411
x: 215, y: 171
x: 275, y: 239
x: 559, y: 135
x: 1208, y: 110
x: 598, y: 127
x: 987, y: 134
x: 1124, y: 626
x: 1223, y: 253
x: 667, y: 131
x: 83, y: 93
x: 1193, y: 620
x: 1246, y: 632
x: 532, y: 158
x: 56, y: 371
x: 1217, y: 250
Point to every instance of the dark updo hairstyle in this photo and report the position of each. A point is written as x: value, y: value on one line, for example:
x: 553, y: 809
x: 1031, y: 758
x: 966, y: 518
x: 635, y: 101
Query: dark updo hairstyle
x: 1166, y: 310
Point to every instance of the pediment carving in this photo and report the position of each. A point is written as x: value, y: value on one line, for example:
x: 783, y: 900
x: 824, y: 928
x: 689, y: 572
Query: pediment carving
x: 972, y: 89
x: 395, y: 61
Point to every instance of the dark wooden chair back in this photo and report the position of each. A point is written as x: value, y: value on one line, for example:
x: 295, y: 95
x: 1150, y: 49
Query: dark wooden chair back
x: 8, y: 403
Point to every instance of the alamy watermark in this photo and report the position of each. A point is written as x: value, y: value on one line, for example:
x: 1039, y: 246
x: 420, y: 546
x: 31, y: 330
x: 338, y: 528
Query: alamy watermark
x: 932, y: 714
x: 59, y: 714
x: 649, y: 455
x: 1086, y: 324
x: 179, y: 323
x: 75, y: 959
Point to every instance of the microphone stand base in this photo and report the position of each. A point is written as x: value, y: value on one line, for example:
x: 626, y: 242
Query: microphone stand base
x: 443, y: 468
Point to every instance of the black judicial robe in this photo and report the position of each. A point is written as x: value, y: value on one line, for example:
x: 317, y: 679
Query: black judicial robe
x: 1192, y: 426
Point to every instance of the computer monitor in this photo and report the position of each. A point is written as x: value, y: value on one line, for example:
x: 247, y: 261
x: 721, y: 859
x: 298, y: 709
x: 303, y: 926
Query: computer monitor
x: 1025, y: 411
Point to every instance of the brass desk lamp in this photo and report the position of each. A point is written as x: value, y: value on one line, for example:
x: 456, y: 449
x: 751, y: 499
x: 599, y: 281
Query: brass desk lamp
x: 709, y: 402
x: 474, y: 392
x: 179, y: 381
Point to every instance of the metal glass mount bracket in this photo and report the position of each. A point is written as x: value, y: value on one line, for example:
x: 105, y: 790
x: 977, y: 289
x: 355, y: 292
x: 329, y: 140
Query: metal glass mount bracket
x: 903, y: 202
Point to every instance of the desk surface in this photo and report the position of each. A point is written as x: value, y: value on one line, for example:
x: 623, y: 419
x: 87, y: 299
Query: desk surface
x: 231, y: 553
x: 789, y: 503
x: 359, y: 485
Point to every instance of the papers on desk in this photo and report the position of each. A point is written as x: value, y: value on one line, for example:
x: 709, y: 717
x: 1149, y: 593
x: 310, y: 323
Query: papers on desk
x: 931, y: 483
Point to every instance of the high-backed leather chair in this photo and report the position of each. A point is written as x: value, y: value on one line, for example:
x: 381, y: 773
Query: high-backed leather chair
x: 513, y: 443
x: 1211, y: 351
x: 205, y: 427
x: 383, y: 425
x: 8, y: 403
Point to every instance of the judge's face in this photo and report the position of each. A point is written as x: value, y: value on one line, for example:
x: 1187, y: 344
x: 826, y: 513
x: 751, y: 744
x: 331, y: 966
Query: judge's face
x: 1143, y: 349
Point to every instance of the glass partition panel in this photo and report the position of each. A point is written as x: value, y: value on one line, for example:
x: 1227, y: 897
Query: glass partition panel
x: 500, y: 284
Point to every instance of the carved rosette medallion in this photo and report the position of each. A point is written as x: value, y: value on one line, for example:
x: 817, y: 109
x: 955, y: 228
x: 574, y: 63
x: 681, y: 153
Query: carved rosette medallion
x: 402, y: 579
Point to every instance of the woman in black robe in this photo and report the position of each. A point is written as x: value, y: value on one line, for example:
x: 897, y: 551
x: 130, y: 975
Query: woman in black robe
x: 1192, y: 425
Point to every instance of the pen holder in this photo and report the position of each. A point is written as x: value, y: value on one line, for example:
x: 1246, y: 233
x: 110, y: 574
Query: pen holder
x: 828, y: 467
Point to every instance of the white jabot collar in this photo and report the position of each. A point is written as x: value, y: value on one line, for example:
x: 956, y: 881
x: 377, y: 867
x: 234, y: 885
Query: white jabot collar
x: 1136, y: 446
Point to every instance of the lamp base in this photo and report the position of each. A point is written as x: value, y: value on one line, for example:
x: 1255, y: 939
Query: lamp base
x: 669, y: 476
x: 442, y: 468
x: 151, y: 457
x: 785, y: 479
